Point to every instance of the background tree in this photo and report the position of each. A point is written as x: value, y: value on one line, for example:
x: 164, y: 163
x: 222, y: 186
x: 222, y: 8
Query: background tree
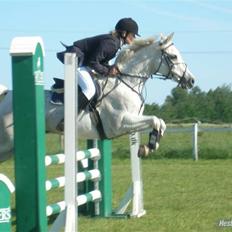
x: 212, y: 106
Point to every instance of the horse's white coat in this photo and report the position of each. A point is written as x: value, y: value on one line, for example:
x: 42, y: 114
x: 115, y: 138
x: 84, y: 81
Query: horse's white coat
x: 120, y: 111
x: 3, y: 92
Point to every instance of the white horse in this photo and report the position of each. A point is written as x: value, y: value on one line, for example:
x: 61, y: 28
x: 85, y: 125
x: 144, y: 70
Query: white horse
x: 121, y: 104
x: 3, y: 92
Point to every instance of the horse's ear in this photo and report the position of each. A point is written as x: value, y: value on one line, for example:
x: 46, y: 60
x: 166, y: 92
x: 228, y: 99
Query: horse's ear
x: 166, y: 40
x: 170, y: 37
x: 162, y: 38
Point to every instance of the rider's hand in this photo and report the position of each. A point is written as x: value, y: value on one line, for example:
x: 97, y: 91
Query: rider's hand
x: 113, y: 71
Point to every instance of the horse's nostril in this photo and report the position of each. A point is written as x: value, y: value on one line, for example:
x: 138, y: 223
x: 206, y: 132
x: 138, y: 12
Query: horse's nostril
x: 192, y: 81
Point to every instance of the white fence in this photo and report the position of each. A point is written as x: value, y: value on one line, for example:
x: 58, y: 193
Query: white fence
x: 195, y: 129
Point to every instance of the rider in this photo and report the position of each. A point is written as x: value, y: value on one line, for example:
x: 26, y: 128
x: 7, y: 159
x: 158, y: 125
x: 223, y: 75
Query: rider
x: 94, y: 53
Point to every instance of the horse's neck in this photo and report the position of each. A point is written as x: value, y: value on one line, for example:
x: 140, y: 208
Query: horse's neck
x: 136, y: 67
x: 143, y: 62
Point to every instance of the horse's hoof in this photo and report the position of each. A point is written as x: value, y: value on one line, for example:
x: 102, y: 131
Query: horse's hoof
x: 156, y: 146
x: 143, y: 151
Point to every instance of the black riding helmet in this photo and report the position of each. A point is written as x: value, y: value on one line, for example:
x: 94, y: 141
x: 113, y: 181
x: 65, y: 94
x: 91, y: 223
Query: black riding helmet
x: 128, y: 25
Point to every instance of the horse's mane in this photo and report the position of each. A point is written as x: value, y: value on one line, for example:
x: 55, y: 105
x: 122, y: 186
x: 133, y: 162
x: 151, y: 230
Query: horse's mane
x: 139, y: 43
x: 134, y: 47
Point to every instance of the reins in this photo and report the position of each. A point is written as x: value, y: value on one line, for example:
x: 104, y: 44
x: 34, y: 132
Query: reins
x: 165, y: 57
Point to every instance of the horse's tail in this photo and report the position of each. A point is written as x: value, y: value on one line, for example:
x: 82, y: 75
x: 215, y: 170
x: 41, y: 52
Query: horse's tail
x: 66, y: 46
x: 60, y: 55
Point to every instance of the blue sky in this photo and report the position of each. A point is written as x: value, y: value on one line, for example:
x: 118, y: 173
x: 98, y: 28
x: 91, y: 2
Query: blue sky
x: 203, y: 33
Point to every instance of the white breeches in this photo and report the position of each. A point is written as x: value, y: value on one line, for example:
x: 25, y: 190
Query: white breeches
x: 86, y: 83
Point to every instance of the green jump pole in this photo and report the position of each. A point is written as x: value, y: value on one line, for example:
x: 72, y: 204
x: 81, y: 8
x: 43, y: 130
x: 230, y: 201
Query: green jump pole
x: 105, y: 184
x: 29, y: 133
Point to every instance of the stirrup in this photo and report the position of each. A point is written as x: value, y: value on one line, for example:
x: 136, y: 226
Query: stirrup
x: 57, y: 90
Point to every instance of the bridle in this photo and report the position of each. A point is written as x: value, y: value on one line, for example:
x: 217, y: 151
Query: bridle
x: 165, y: 57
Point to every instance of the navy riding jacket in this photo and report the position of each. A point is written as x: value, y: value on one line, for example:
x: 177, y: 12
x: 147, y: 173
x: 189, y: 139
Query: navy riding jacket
x: 98, y: 51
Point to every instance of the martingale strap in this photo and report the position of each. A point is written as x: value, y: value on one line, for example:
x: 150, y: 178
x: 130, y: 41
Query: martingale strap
x: 96, y: 119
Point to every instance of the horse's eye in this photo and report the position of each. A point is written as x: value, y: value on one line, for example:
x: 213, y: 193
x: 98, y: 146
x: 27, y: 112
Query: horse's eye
x: 173, y: 57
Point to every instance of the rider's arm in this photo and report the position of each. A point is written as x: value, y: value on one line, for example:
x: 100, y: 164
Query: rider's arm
x: 102, y: 54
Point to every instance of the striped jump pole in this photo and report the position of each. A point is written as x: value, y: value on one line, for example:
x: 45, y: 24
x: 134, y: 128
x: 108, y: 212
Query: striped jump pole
x: 58, y: 182
x: 81, y: 200
x: 92, y: 153
x: 102, y: 208
x: 93, y: 175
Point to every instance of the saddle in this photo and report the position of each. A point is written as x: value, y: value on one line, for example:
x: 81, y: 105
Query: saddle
x: 57, y: 98
x: 57, y: 95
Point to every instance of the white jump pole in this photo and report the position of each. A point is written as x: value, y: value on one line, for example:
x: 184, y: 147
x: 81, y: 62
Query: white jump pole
x: 195, y: 141
x: 137, y: 202
x: 68, y: 217
x: 135, y: 192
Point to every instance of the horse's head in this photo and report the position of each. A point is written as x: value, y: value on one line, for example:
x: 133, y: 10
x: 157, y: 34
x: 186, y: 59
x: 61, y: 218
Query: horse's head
x: 145, y: 58
x: 172, y: 66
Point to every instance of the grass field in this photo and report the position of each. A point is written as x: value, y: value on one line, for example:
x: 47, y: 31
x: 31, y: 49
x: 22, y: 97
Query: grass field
x: 179, y: 193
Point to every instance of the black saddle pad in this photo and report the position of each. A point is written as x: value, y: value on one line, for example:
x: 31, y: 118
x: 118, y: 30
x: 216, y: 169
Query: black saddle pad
x: 57, y: 94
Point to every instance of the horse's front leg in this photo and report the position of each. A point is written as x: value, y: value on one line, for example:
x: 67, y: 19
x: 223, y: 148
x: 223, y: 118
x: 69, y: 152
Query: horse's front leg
x: 133, y: 122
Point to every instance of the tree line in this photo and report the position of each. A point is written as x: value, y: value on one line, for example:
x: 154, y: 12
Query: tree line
x: 214, y: 106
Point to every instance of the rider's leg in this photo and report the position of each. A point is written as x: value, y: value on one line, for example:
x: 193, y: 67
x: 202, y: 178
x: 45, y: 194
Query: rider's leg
x: 82, y: 100
x: 87, y: 86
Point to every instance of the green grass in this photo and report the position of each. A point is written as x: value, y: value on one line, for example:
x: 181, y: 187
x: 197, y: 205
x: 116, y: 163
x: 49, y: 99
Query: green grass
x: 179, y: 193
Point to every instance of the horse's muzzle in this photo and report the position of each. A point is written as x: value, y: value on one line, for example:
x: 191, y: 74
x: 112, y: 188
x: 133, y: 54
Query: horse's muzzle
x: 187, y: 84
x: 191, y: 82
